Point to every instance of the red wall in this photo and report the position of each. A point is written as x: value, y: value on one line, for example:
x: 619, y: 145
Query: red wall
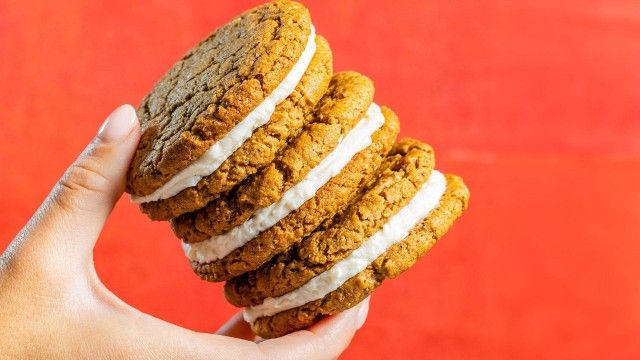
x: 535, y: 103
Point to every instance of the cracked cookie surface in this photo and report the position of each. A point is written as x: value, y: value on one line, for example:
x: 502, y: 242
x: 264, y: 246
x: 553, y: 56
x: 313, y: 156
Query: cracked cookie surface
x: 213, y: 87
x: 263, y: 145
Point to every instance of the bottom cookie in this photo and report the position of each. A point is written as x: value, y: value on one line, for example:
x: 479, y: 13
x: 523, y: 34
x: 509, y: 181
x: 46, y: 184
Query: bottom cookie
x: 396, y: 247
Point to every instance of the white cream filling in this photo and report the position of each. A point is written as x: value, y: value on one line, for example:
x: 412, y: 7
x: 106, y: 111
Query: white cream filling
x: 395, y: 230
x: 206, y: 164
x: 357, y: 139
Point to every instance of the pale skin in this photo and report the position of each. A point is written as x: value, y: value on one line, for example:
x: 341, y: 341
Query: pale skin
x: 53, y: 305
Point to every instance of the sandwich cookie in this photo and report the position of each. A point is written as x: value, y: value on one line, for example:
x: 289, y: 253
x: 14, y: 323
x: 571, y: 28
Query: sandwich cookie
x: 227, y: 108
x: 400, y: 215
x: 316, y: 176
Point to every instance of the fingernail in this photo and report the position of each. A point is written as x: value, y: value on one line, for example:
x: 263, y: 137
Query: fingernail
x: 119, y: 124
x: 363, y: 310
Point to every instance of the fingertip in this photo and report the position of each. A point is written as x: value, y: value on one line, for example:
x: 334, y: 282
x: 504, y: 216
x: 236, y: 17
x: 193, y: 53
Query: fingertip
x: 351, y: 319
x: 363, y: 311
x: 119, y: 124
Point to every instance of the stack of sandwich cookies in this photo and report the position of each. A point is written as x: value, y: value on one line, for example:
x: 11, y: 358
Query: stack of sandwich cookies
x: 283, y: 178
x: 227, y: 108
x: 315, y: 176
x: 383, y: 232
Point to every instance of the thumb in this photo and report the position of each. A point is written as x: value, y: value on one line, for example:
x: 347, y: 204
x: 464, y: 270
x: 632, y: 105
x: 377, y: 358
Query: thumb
x: 70, y: 220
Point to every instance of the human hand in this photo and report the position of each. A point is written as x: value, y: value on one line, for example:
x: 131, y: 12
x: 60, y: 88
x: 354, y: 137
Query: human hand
x: 53, y: 305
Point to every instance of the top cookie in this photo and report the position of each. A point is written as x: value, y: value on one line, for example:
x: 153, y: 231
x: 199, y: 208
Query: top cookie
x: 214, y: 87
x: 261, y: 148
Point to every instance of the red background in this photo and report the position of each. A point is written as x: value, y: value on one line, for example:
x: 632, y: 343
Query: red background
x: 535, y: 103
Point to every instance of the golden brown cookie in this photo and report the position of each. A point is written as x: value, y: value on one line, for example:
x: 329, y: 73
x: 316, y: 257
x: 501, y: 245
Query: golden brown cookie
x: 261, y: 148
x: 398, y: 258
x: 241, y: 71
x: 403, y: 172
x: 340, y: 109
x: 335, y: 245
x: 328, y: 200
